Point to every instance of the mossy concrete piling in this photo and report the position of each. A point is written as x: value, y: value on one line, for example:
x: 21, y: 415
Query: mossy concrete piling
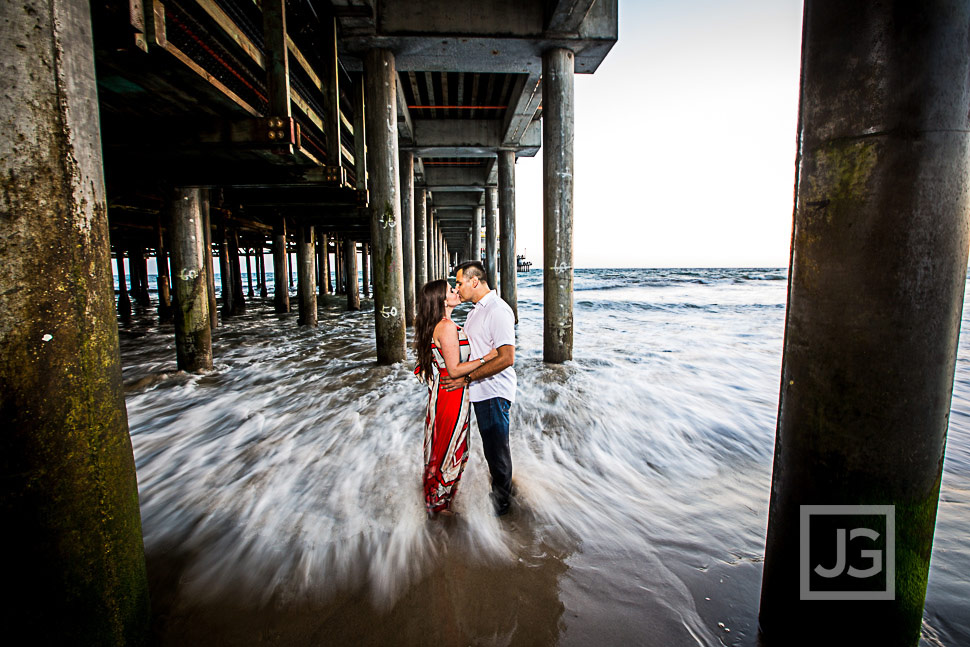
x: 76, y: 566
x: 875, y: 299
x: 193, y: 334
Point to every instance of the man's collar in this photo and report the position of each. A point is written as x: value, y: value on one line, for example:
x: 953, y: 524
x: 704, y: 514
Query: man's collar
x: 485, y: 299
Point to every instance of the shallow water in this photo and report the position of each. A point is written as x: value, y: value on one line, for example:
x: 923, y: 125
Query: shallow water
x: 281, y: 497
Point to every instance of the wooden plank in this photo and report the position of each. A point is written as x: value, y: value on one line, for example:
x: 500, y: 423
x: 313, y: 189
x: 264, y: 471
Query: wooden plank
x: 347, y: 154
x: 346, y: 122
x: 195, y: 67
x: 232, y: 30
x: 305, y: 108
x: 305, y: 64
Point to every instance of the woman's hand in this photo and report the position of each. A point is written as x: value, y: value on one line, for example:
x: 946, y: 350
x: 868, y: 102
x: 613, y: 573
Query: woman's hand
x: 490, y: 355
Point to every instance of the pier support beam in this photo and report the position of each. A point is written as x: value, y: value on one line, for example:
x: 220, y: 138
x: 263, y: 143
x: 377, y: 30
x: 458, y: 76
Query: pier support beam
x: 261, y: 264
x: 281, y: 294
x: 365, y: 268
x: 249, y: 275
x: 420, y: 234
x: 162, y: 274
x: 875, y: 298
x: 506, y: 208
x: 207, y: 255
x: 75, y: 562
x: 138, y: 268
x: 124, y: 302
x: 350, y: 262
x: 380, y: 78
x: 323, y: 263
x: 306, y: 288
x: 193, y: 335
x: 407, y: 233
x: 226, y: 290
x: 557, y: 204
x: 238, y: 297
x: 491, y: 237
x: 429, y: 243
x: 478, y: 222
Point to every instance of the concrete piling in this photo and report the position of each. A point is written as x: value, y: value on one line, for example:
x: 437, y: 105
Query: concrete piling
x: 407, y: 233
x: 225, y: 273
x: 429, y: 242
x: 323, y: 263
x: 124, y: 302
x: 420, y: 236
x: 238, y: 297
x: 163, y: 279
x: 69, y: 502
x: 506, y: 209
x: 249, y: 275
x: 365, y: 268
x: 306, y: 288
x: 491, y: 237
x: 193, y: 336
x: 478, y: 221
x: 338, y: 263
x: 281, y: 295
x: 380, y: 79
x: 350, y: 262
x: 138, y: 268
x: 876, y: 285
x: 207, y: 254
x: 557, y: 204
x: 261, y: 265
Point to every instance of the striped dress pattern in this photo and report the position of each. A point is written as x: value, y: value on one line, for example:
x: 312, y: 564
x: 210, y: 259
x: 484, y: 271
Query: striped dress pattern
x: 445, y: 432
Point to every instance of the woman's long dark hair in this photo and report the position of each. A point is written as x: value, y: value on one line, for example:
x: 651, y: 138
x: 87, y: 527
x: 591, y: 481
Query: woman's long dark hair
x: 430, y: 310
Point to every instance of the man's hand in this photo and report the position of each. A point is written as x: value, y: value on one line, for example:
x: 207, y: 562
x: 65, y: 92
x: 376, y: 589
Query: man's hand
x: 451, y: 383
x: 505, y: 359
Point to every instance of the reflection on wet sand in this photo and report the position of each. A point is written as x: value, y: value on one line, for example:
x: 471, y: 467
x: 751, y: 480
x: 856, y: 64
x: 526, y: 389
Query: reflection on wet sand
x: 460, y: 599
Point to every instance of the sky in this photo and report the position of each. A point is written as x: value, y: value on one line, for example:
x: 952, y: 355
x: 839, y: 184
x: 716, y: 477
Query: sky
x: 684, y: 152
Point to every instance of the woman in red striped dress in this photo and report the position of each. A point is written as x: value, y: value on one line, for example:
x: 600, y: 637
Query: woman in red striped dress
x: 443, y: 351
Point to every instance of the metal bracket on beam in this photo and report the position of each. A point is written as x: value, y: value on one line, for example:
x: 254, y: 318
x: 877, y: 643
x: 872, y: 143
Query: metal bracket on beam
x: 263, y: 132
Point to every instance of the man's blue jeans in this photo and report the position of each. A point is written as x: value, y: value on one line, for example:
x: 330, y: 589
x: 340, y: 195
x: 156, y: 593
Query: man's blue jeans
x: 493, y: 425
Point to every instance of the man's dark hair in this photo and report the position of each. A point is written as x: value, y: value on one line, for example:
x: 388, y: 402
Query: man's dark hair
x: 472, y: 268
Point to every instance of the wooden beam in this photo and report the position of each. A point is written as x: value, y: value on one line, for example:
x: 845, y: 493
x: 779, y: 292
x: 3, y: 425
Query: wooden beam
x: 277, y: 60
x: 331, y: 91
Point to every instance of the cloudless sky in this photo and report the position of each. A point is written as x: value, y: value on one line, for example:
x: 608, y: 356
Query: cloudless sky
x: 684, y: 140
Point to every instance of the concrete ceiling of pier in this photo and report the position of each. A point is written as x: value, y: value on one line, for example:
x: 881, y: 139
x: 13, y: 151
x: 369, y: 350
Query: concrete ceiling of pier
x: 469, y: 81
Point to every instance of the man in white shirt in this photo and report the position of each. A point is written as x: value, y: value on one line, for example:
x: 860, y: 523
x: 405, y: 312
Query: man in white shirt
x: 490, y: 324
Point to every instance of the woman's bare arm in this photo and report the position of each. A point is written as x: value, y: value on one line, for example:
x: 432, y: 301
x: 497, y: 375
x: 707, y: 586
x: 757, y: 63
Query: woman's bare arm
x: 446, y: 338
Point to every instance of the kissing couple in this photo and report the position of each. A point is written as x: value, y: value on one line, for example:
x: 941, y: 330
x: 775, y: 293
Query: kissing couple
x: 466, y: 365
